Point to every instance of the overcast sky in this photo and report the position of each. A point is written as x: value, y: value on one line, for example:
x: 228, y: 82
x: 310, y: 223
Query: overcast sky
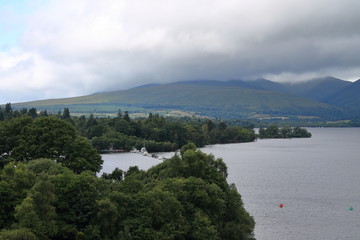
x: 62, y: 48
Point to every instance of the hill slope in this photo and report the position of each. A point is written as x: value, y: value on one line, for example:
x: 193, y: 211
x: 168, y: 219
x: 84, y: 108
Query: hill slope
x: 348, y: 97
x: 317, y: 89
x: 210, y: 98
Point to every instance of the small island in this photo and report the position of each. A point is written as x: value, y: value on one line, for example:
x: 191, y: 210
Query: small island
x: 274, y: 131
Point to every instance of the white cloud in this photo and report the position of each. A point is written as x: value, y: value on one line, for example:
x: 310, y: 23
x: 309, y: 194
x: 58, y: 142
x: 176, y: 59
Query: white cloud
x: 78, y: 47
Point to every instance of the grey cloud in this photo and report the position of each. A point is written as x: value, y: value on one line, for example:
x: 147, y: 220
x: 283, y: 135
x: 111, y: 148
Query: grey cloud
x: 88, y: 46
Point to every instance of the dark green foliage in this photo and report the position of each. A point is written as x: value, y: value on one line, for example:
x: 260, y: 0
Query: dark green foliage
x: 66, y: 113
x: 36, y: 212
x: 76, y: 198
x: 117, y: 174
x: 233, y: 134
x: 25, y: 139
x: 273, y: 131
x: 7, y: 204
x: 8, y: 108
x: 33, y: 112
x: 17, y: 234
x: 185, y: 197
x: 157, y: 133
x: 126, y: 116
x: 10, y: 136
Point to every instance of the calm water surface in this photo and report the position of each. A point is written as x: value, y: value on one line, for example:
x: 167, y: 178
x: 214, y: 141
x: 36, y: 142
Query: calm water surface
x: 317, y: 180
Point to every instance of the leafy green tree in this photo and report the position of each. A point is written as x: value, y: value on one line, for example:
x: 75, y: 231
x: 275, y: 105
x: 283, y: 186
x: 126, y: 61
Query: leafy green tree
x: 300, y: 132
x: 211, y: 125
x: 66, y: 113
x: 10, y: 136
x: 45, y: 137
x: 133, y: 170
x: 76, y: 200
x: 270, y: 132
x: 17, y: 234
x: 101, y: 143
x: 126, y: 116
x: 123, y: 126
x: 117, y: 174
x: 81, y: 156
x: 217, y: 135
x: 28, y: 218
x: 24, y: 111
x: 19, y: 178
x: 7, y: 204
x: 47, y: 166
x: 44, y: 113
x: 222, y: 125
x: 107, y: 218
x: 202, y: 228
x: 37, y: 212
x: 286, y: 132
x: 33, y: 112
x: 91, y: 122
x: 211, y: 206
x: 237, y: 134
x: 48, y: 137
x: 8, y: 108
x: 273, y: 131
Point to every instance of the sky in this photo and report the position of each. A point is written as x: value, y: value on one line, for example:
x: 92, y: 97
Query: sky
x: 65, y: 48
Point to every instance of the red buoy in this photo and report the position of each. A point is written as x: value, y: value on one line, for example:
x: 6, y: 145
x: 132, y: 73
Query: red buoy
x: 281, y: 205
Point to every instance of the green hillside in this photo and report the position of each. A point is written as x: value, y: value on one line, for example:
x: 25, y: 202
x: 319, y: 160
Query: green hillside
x: 215, y: 100
x: 317, y: 89
x: 348, y: 97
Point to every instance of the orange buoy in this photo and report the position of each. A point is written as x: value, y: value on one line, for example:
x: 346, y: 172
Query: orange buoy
x: 281, y: 205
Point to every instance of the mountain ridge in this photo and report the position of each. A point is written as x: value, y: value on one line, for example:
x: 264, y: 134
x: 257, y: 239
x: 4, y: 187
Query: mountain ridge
x: 213, y: 98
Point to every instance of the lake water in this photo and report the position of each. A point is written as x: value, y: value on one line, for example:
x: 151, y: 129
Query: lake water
x: 317, y: 179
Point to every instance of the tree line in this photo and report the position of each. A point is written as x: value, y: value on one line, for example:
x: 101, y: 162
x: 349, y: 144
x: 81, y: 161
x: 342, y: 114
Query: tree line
x: 156, y: 133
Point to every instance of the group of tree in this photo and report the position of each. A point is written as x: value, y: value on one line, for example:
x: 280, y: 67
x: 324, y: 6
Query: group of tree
x: 273, y: 131
x: 24, y: 138
x: 156, y: 133
x: 184, y: 197
x: 7, y: 112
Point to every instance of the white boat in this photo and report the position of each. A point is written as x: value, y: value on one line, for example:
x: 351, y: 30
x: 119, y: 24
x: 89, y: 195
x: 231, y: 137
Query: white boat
x: 144, y: 152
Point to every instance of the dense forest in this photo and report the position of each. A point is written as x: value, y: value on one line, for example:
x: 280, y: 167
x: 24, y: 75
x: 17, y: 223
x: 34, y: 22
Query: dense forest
x: 155, y: 132
x: 184, y: 197
x: 49, y: 188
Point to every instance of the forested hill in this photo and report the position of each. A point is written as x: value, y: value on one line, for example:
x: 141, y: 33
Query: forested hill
x: 225, y: 99
x: 185, y: 197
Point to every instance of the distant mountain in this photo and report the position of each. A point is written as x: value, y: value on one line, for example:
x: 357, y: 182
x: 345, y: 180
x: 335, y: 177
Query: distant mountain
x: 224, y: 99
x: 317, y: 89
x: 258, y: 84
x: 348, y: 97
